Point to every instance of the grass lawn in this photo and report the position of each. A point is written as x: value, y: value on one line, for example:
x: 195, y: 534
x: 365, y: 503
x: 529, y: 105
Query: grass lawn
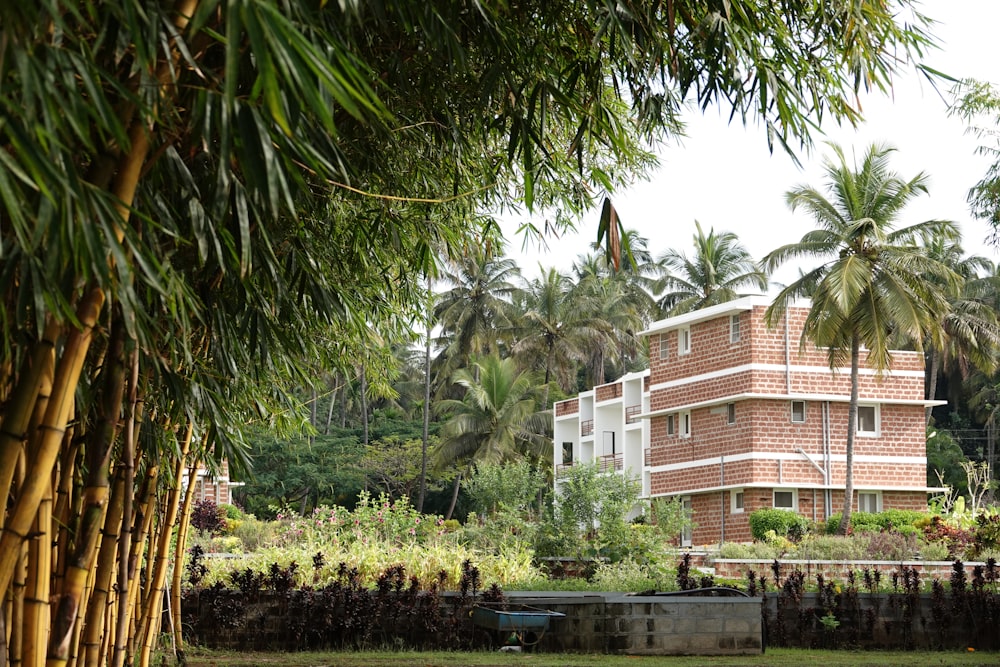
x: 773, y: 657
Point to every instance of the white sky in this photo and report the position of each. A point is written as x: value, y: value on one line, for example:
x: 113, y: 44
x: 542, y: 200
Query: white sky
x: 723, y: 175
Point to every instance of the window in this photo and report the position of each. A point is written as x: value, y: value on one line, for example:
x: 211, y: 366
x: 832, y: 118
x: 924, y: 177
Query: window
x: 685, y: 425
x: 784, y: 499
x: 664, y: 350
x: 567, y: 453
x: 737, y: 497
x: 868, y: 419
x: 671, y: 425
x: 684, y: 340
x: 734, y: 328
x: 798, y: 412
x: 869, y: 501
x: 730, y: 413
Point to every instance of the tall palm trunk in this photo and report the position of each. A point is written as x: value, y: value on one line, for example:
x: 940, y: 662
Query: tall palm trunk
x: 932, y: 378
x: 852, y: 429
x: 427, y: 414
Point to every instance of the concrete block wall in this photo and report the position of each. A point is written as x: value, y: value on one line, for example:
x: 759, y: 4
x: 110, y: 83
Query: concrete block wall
x: 650, y: 625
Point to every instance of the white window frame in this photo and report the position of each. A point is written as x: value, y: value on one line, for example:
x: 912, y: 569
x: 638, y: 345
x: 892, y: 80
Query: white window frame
x: 664, y: 348
x: 878, y: 421
x: 671, y: 425
x: 683, y: 341
x: 795, y: 499
x: 737, y: 501
x: 877, y: 495
x: 730, y: 414
x: 791, y: 407
x: 684, y: 424
x: 734, y: 329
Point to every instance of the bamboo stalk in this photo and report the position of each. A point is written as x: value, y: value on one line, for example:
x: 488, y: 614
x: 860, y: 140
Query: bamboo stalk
x: 17, y: 414
x: 51, y: 434
x: 97, y: 606
x: 133, y: 417
x: 152, y: 609
x: 124, y: 639
x: 179, y: 551
x: 95, y: 497
x: 36, y: 596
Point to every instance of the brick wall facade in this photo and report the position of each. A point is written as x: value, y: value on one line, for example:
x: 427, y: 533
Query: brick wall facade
x: 740, y: 438
x: 751, y: 408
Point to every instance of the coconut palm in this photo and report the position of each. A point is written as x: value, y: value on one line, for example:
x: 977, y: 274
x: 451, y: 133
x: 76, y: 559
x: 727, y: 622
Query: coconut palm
x: 969, y: 334
x: 557, y: 329
x: 620, y: 298
x: 497, y: 419
x: 875, y: 281
x: 476, y: 310
x: 717, y: 272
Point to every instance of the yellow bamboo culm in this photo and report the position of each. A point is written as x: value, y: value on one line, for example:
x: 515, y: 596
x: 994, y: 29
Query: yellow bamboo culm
x: 17, y: 413
x: 36, y: 597
x: 50, y: 435
x: 124, y: 647
x: 16, y: 619
x: 152, y: 611
x: 98, y: 606
x: 179, y: 551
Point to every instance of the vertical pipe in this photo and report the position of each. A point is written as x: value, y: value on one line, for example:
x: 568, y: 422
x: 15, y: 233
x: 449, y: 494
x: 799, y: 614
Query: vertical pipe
x: 788, y: 355
x: 722, y: 497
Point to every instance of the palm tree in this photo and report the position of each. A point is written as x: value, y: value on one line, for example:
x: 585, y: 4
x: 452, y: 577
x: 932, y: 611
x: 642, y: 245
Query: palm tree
x: 718, y: 270
x: 477, y: 308
x: 969, y: 334
x: 620, y: 298
x: 497, y: 419
x: 557, y: 329
x: 874, y: 281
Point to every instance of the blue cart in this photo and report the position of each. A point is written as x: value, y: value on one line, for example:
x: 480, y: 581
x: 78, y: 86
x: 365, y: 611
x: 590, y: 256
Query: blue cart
x: 528, y: 624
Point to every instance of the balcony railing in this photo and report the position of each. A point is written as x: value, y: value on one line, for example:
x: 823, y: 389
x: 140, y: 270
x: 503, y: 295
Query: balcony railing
x: 631, y: 412
x: 587, y: 427
x: 610, y: 462
x: 563, y: 468
x: 647, y: 457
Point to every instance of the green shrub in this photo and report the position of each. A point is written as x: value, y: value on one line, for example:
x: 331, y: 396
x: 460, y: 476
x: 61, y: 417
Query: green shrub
x: 832, y: 547
x: 755, y: 551
x: 627, y: 575
x: 934, y: 551
x: 873, y: 522
x: 783, y: 522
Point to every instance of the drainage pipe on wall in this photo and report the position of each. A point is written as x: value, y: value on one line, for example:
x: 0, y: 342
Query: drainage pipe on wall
x: 788, y: 355
x: 722, y: 497
x: 827, y: 459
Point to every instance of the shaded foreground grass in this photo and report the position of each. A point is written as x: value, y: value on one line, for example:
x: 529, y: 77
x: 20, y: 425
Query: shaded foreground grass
x: 773, y: 657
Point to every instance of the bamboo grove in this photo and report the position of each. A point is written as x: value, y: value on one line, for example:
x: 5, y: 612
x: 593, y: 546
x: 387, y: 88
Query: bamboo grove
x: 200, y: 200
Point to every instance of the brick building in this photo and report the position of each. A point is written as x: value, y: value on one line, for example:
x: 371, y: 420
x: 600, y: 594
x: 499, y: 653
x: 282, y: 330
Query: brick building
x: 733, y: 416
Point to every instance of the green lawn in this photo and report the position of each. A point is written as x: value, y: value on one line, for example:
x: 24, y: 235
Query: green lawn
x: 774, y: 657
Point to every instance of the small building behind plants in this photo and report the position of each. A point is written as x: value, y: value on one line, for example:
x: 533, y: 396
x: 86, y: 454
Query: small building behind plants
x: 733, y: 415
